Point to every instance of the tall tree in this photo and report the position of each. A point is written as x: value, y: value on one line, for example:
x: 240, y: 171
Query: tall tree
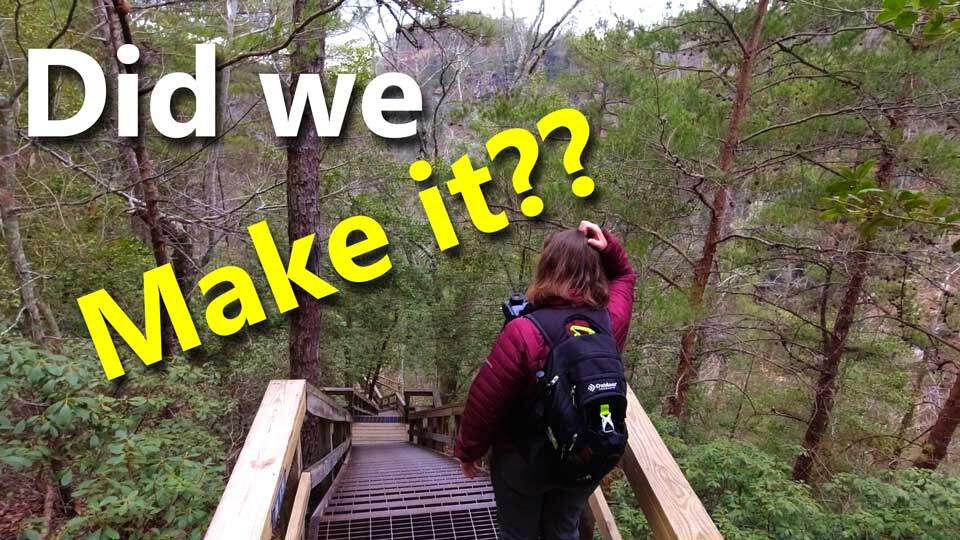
x: 942, y: 431
x: 892, y: 128
x: 307, y: 56
x: 25, y: 277
x: 40, y: 322
x: 212, y: 177
x: 719, y: 207
x: 116, y: 31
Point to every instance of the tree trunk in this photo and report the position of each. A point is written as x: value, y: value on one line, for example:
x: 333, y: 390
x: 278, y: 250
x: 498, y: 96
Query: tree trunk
x: 25, y: 277
x: 835, y: 341
x: 687, y: 364
x: 382, y: 354
x: 916, y: 397
x: 308, y: 54
x: 825, y: 387
x: 134, y: 155
x: 49, y: 509
x: 940, y: 435
x: 212, y: 180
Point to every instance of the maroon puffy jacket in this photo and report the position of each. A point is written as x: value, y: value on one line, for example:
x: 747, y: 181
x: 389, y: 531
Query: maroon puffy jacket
x: 507, y: 376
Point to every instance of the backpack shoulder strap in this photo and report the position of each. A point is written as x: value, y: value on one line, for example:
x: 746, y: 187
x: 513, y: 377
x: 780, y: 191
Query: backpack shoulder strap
x: 552, y: 322
x: 542, y: 321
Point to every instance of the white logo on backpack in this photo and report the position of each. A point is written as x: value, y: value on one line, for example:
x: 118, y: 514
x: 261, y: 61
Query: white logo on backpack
x: 594, y: 387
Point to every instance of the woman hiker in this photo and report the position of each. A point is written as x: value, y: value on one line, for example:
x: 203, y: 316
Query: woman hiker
x: 584, y: 267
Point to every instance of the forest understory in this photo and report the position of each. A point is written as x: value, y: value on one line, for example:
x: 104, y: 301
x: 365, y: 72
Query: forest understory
x: 783, y: 174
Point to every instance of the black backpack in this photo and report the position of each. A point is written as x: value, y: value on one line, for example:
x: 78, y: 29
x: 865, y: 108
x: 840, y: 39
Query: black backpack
x: 575, y: 431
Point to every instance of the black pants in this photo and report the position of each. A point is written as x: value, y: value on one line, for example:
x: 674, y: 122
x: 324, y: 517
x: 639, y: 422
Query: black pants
x: 529, y: 509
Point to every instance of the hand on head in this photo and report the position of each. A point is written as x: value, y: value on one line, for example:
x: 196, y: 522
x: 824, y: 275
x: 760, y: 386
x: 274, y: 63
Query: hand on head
x: 594, y: 235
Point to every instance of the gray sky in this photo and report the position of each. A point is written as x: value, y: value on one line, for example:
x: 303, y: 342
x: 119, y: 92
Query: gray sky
x: 586, y: 15
x: 589, y: 11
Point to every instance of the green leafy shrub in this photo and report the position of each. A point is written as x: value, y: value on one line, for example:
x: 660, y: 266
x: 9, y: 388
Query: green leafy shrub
x: 907, y: 503
x: 750, y: 495
x: 142, y: 459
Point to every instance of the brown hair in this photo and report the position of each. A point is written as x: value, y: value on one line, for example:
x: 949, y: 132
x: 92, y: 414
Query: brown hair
x: 569, y: 271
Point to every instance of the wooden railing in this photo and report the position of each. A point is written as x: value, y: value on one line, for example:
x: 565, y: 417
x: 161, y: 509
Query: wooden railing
x: 670, y: 505
x: 386, y: 394
x: 435, y: 428
x: 269, y: 488
x: 392, y: 401
x: 357, y: 402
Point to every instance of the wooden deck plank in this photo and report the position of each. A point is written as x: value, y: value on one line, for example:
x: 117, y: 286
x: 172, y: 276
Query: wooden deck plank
x: 379, y: 433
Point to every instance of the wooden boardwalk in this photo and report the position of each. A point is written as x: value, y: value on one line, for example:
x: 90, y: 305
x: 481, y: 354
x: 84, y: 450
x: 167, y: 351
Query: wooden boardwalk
x: 369, y: 483
x: 398, y: 490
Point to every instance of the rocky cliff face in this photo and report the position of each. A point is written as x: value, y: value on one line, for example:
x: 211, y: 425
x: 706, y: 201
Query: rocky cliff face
x: 455, y: 67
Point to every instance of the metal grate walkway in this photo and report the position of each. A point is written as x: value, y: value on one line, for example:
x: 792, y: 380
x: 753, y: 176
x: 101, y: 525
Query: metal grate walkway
x: 392, y: 491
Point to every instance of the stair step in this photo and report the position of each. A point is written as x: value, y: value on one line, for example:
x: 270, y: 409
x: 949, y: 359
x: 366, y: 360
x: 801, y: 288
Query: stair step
x: 379, y: 433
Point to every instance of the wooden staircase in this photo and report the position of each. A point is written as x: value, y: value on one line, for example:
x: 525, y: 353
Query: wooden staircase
x: 387, y: 472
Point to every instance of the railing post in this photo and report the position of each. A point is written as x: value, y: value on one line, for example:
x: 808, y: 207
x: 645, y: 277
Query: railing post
x: 672, y: 508
x: 290, y: 491
x: 456, y: 430
x: 269, y: 488
x: 597, y: 514
x: 326, y: 445
x: 258, y: 480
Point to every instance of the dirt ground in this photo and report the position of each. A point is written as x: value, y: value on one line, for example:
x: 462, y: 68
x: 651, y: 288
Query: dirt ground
x: 21, y: 497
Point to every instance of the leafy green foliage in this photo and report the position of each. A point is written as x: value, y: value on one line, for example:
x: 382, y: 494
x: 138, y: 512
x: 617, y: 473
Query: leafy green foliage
x: 63, y: 419
x: 907, y: 503
x: 935, y: 18
x: 750, y: 495
x: 857, y: 196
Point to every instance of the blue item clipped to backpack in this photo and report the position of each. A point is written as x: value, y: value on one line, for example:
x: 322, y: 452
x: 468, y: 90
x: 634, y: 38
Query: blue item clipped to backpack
x: 514, y: 307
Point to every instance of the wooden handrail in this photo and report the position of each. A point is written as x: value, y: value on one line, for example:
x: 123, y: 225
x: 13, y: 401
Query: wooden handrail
x: 387, y: 381
x: 355, y: 400
x: 323, y: 406
x: 449, y: 410
x: 384, y: 381
x: 320, y: 470
x: 669, y: 503
x: 421, y: 392
x: 409, y: 394
x: 256, y: 501
x: 672, y: 508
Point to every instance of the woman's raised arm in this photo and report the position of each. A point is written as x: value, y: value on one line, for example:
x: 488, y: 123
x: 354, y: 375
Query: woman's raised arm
x: 621, y: 279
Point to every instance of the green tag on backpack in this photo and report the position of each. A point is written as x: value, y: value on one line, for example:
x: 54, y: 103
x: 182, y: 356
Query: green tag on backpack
x: 606, y: 420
